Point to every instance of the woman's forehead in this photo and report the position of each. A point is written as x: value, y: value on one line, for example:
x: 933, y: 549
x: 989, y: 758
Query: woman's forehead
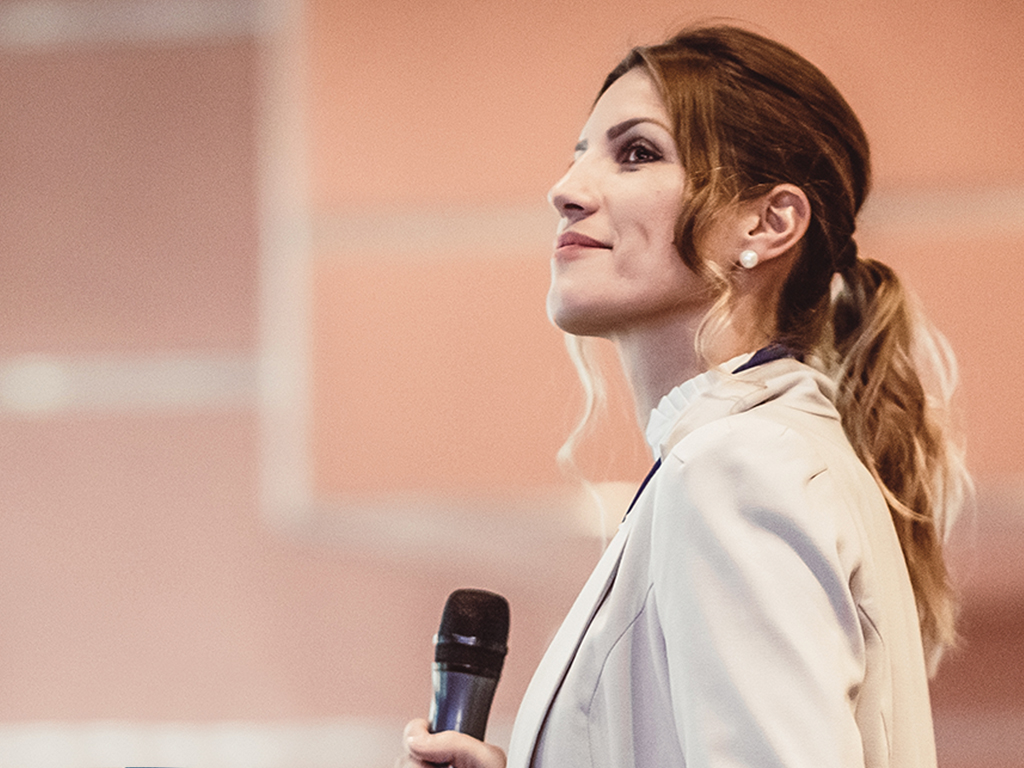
x: 633, y: 96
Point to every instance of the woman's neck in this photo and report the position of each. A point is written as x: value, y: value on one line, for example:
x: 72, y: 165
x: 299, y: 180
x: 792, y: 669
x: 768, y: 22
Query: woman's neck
x: 656, y: 358
x: 659, y: 357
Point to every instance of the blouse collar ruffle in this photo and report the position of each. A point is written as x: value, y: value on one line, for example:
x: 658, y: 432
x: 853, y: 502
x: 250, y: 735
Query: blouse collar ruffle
x: 664, y: 417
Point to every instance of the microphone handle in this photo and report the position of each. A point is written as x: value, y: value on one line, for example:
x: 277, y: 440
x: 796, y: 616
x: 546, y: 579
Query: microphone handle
x: 461, y: 702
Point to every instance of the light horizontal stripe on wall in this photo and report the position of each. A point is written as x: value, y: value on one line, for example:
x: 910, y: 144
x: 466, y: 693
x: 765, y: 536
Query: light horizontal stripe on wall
x: 42, y: 385
x: 29, y: 24
x: 957, y: 212
x: 984, y: 738
x: 341, y: 743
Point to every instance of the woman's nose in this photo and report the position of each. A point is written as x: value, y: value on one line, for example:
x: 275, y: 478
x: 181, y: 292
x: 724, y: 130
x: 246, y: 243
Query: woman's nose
x: 572, y: 195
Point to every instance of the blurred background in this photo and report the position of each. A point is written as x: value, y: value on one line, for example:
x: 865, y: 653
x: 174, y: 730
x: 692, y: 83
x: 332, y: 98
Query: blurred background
x: 275, y: 374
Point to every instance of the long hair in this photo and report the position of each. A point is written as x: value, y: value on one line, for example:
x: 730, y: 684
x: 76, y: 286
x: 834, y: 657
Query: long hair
x: 749, y: 113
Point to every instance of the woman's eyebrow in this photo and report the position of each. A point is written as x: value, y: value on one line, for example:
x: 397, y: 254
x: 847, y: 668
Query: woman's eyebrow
x: 620, y: 128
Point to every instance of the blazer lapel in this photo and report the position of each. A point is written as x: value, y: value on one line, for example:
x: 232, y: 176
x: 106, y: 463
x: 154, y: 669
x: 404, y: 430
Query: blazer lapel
x: 553, y: 666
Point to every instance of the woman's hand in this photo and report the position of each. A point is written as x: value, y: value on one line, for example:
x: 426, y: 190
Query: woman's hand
x: 425, y: 749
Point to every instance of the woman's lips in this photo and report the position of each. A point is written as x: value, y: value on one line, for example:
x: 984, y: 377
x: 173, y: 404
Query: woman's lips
x: 571, y: 242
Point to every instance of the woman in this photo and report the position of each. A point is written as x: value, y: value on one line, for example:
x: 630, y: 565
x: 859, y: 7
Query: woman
x: 778, y: 585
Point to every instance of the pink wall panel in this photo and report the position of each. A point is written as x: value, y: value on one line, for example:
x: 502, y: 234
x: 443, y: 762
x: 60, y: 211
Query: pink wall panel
x: 969, y: 287
x: 127, y: 568
x: 467, y: 102
x: 137, y: 582
x: 428, y: 370
x: 129, y: 199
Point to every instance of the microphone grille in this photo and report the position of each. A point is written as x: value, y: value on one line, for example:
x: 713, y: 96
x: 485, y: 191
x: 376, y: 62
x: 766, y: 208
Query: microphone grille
x: 478, y: 614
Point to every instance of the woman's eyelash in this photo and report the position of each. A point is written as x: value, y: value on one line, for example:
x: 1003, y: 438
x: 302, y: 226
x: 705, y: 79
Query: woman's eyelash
x: 639, y: 152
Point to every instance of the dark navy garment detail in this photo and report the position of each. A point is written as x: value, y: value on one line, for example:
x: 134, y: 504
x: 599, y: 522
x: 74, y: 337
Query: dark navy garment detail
x: 767, y: 354
x: 642, y: 486
x: 762, y: 356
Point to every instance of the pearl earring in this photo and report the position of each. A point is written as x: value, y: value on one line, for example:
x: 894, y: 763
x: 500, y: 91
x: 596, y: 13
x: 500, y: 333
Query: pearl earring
x: 749, y: 258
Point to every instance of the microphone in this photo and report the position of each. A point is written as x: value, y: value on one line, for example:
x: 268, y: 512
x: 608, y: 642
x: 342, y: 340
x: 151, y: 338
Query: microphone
x: 469, y: 651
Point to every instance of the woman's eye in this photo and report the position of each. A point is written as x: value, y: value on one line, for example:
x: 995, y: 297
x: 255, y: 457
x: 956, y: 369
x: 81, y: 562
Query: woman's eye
x: 636, y: 154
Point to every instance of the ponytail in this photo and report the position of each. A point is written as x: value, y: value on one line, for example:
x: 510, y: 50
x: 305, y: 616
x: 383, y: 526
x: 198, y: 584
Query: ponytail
x: 895, y: 375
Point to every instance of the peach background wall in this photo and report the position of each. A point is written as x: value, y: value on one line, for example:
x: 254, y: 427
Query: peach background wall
x: 275, y: 374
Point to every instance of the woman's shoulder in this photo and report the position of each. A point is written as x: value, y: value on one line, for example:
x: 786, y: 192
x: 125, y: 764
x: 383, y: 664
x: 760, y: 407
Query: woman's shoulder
x: 748, y: 450
x: 761, y: 439
x: 752, y: 487
x: 767, y: 469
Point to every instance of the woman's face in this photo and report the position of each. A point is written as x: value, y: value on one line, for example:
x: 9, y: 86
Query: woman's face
x: 615, y: 267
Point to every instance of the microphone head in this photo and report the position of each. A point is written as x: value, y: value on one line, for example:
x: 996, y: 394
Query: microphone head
x: 473, y: 633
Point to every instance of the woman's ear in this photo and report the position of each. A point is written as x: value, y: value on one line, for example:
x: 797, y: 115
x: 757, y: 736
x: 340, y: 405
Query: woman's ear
x: 776, y: 221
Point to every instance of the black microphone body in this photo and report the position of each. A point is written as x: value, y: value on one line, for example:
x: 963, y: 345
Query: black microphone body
x: 469, y: 652
x: 462, y: 702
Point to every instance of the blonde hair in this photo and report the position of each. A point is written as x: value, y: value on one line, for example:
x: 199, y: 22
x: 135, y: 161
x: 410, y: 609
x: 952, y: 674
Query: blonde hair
x: 748, y: 114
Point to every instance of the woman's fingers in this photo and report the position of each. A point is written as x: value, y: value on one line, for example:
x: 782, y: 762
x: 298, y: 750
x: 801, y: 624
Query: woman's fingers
x: 447, y: 748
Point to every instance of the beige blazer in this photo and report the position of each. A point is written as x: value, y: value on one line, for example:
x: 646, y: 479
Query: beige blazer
x: 754, y: 609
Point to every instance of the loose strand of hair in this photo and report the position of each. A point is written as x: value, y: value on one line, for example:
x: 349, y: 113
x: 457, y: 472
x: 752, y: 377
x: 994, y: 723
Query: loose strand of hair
x: 595, y: 400
x: 582, y: 353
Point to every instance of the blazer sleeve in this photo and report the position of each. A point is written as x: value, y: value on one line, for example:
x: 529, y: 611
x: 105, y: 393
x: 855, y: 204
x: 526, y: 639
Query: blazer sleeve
x: 751, y: 557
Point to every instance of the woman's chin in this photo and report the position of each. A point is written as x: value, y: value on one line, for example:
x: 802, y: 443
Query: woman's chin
x: 576, y: 319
